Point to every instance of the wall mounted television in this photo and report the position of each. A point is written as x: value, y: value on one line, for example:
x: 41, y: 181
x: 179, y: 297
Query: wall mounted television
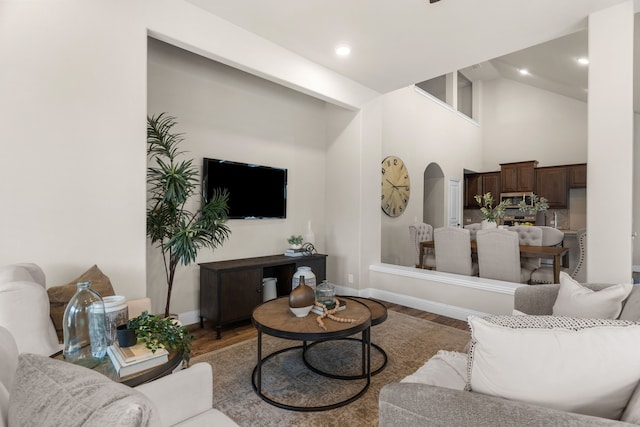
x: 255, y: 191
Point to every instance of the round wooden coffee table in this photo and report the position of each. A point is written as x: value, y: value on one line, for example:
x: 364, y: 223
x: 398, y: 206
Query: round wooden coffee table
x: 378, y: 315
x: 274, y: 318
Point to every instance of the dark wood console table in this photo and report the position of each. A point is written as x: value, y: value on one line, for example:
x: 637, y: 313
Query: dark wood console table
x: 230, y: 290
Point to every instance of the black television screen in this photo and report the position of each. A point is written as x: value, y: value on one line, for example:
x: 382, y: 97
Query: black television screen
x: 254, y: 191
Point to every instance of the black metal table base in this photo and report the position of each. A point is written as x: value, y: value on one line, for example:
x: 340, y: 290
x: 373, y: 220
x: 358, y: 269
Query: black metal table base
x: 345, y: 377
x: 256, y: 376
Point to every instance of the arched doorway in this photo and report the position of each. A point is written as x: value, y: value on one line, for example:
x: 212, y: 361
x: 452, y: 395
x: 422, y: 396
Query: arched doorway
x: 433, y: 209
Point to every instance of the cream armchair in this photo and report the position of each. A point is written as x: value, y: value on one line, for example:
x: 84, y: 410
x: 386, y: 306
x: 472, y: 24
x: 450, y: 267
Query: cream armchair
x: 23, y: 285
x: 33, y: 388
x: 183, y: 398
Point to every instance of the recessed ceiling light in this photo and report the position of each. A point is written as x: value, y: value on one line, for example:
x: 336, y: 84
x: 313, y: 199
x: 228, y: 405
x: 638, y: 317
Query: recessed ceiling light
x: 343, y: 50
x: 524, y: 71
x: 583, y: 61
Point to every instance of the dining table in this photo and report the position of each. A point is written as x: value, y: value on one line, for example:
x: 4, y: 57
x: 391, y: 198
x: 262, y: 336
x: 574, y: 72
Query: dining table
x: 550, y: 252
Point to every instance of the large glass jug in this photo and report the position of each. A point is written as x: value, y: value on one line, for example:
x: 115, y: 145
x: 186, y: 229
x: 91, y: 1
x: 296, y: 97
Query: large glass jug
x: 84, y: 327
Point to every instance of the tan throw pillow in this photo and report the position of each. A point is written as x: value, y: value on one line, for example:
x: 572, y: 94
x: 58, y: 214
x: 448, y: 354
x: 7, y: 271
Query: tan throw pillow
x: 59, y: 296
x: 574, y: 300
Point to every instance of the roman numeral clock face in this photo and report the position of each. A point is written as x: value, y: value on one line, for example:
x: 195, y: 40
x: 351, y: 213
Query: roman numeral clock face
x: 395, y: 186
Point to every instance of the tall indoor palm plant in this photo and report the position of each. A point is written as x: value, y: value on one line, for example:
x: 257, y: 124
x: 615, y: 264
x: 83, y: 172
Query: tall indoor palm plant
x: 171, y: 226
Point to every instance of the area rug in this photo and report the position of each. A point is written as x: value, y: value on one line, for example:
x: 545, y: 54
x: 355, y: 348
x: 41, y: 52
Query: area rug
x: 408, y: 342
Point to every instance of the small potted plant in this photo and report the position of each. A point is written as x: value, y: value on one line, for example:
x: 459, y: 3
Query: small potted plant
x: 490, y: 214
x: 163, y: 332
x: 295, y: 242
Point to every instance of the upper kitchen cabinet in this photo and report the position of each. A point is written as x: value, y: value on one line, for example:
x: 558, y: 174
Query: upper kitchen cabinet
x: 577, y: 175
x: 480, y: 183
x: 551, y: 183
x: 518, y: 177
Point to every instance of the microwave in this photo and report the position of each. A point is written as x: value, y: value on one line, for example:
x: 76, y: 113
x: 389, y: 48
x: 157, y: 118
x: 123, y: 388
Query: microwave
x: 516, y: 198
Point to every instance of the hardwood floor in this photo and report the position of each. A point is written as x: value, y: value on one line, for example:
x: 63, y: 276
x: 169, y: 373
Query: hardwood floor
x: 205, y: 338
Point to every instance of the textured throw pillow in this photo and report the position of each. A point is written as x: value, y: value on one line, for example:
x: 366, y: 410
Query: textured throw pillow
x: 586, y: 366
x: 574, y: 300
x: 49, y: 392
x: 59, y: 296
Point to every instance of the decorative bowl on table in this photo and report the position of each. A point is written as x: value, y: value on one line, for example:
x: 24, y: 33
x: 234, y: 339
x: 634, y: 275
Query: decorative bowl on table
x: 301, y: 311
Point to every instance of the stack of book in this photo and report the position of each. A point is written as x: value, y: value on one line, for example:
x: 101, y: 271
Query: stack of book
x: 295, y: 252
x: 134, y: 359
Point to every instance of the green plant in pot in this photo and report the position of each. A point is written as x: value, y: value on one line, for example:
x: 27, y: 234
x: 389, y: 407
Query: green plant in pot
x: 178, y: 231
x: 162, y: 332
x: 295, y: 241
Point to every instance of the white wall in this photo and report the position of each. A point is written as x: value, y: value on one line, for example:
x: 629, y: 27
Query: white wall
x: 228, y: 114
x: 610, y: 149
x: 421, y: 131
x: 521, y: 122
x: 72, y: 170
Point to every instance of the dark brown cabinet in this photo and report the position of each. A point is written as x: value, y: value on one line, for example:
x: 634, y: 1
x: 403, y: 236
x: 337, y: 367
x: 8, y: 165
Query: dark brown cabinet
x: 518, y: 177
x: 480, y: 183
x: 230, y: 290
x: 577, y: 175
x: 551, y: 183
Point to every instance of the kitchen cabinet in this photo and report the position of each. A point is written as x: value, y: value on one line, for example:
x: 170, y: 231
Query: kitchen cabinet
x: 230, y: 290
x: 518, y: 177
x: 480, y: 183
x: 577, y: 175
x: 551, y: 183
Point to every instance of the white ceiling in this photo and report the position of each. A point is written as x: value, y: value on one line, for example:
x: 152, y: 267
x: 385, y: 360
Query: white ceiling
x: 396, y: 43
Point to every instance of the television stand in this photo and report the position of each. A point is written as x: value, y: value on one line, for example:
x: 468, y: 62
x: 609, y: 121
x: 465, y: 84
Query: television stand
x: 230, y: 290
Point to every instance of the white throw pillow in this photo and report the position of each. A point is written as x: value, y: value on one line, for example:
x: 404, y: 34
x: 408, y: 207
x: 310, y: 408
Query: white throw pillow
x: 574, y: 300
x: 586, y: 366
x: 445, y: 369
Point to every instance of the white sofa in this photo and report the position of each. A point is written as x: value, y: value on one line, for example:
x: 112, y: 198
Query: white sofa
x: 183, y: 398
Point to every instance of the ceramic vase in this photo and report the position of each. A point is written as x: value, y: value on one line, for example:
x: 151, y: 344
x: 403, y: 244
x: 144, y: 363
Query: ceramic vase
x: 488, y: 224
x: 302, y: 295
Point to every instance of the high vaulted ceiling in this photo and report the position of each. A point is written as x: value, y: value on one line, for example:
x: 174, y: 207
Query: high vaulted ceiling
x: 401, y: 42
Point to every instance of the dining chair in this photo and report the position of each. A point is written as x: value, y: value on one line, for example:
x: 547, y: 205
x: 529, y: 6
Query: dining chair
x: 420, y: 232
x: 529, y: 236
x: 473, y: 229
x: 453, y: 251
x: 499, y: 256
x: 543, y: 275
x: 579, y: 274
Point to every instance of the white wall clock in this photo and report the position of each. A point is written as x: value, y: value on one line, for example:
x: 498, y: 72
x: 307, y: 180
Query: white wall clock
x: 396, y: 186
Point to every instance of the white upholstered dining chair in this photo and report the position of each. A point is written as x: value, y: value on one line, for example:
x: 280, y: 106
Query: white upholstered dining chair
x: 420, y: 232
x: 473, y: 229
x: 544, y: 274
x: 499, y: 256
x: 528, y: 236
x: 453, y: 251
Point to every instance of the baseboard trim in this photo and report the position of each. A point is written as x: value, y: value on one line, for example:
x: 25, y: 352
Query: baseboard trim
x: 460, y: 313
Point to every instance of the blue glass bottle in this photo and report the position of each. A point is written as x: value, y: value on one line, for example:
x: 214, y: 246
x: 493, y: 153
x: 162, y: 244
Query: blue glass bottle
x: 84, y: 327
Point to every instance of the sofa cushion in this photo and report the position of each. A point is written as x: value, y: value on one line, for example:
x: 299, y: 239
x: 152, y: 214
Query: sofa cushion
x: 59, y: 296
x: 575, y: 300
x: 586, y: 366
x: 49, y: 392
x: 444, y: 369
